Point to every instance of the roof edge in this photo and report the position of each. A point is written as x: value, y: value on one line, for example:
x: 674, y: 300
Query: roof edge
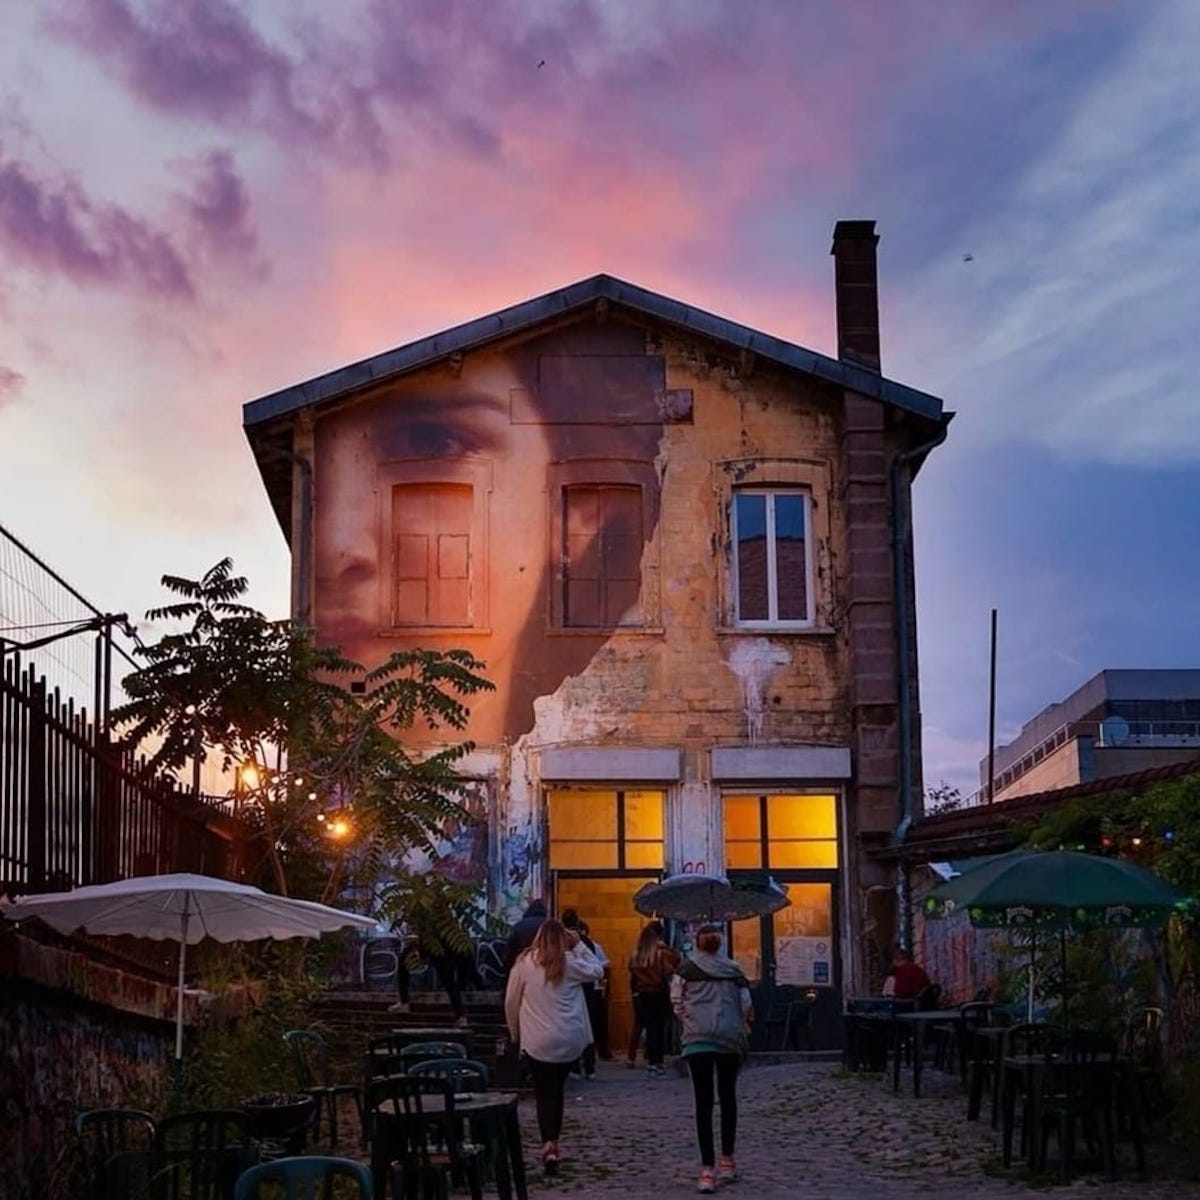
x: 519, y: 317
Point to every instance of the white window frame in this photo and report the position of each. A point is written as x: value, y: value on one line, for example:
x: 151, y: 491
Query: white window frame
x: 772, y: 620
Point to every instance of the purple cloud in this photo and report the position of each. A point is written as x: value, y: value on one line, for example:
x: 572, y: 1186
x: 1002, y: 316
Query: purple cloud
x: 53, y: 226
x: 217, y: 208
x: 205, y: 59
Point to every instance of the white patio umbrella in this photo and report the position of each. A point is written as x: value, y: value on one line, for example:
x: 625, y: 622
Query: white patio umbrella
x: 182, y: 908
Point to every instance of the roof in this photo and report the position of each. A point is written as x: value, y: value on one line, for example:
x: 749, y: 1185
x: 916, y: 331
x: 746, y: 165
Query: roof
x: 268, y: 420
x: 996, y: 826
x: 530, y: 313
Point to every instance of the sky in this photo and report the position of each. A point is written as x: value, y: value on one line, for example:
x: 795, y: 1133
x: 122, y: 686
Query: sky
x: 203, y: 201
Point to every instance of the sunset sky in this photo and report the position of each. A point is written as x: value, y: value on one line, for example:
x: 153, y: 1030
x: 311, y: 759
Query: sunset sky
x: 202, y: 201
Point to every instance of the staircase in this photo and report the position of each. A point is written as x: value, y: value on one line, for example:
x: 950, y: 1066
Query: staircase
x: 348, y: 1020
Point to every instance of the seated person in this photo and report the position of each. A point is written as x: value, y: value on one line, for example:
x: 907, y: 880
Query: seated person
x: 906, y: 980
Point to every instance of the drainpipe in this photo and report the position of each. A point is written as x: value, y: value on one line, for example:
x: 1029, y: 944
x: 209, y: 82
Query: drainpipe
x: 901, y: 523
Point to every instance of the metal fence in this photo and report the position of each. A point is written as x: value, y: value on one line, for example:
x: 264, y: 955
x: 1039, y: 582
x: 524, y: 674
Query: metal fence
x: 77, y: 809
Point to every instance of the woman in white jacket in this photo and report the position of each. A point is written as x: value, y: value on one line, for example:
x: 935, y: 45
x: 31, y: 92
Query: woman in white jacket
x: 546, y: 1013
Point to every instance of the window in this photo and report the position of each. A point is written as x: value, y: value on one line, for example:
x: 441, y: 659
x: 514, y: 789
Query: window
x: 433, y: 538
x: 780, y: 832
x: 771, y: 561
x: 595, y: 829
x: 431, y: 524
x: 603, y: 516
x: 601, y: 555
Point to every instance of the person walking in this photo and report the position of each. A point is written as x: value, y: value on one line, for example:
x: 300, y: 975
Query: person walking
x: 711, y: 998
x: 593, y: 994
x: 455, y: 970
x: 546, y: 1014
x: 650, y: 969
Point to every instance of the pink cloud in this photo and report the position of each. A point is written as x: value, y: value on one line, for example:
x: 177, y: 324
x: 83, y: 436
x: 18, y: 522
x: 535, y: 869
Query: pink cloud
x: 12, y: 384
x: 55, y: 227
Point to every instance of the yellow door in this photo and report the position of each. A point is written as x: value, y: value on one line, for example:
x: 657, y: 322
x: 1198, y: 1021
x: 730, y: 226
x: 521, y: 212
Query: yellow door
x: 605, y: 905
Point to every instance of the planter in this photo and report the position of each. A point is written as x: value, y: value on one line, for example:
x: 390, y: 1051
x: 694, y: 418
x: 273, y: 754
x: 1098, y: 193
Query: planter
x: 282, y: 1118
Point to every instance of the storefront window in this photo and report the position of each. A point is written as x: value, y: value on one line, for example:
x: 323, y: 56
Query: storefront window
x: 593, y: 829
x: 780, y: 832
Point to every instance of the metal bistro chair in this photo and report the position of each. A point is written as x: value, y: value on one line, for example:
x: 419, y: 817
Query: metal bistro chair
x: 1037, y: 1042
x: 424, y: 1051
x: 311, y: 1056
x: 416, y: 1146
x: 116, y: 1145
x: 309, y: 1177
x: 200, y: 1154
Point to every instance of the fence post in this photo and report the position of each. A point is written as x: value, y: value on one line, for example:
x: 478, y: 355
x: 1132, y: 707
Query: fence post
x: 36, y: 784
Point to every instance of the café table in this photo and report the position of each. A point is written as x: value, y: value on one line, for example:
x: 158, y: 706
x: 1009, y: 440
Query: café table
x: 1108, y: 1076
x: 916, y: 1024
x: 493, y: 1115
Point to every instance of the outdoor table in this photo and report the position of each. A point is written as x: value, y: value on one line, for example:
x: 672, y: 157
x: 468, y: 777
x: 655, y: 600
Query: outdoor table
x: 493, y: 1113
x: 1030, y: 1070
x: 919, y: 1022
x: 433, y: 1033
x: 867, y: 1024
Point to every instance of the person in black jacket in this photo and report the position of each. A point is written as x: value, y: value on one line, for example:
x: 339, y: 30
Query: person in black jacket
x: 521, y: 937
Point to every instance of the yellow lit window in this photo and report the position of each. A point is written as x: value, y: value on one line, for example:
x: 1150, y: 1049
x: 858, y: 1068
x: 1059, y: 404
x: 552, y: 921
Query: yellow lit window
x: 743, y: 832
x: 597, y: 829
x: 800, y: 831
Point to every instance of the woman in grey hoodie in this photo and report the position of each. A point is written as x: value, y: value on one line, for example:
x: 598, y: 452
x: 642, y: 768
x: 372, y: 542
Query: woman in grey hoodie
x: 711, y: 998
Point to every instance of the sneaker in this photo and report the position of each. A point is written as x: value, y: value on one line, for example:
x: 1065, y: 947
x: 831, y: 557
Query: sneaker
x: 463, y: 1022
x: 727, y: 1171
x: 398, y: 1007
x: 707, y: 1182
x: 550, y: 1158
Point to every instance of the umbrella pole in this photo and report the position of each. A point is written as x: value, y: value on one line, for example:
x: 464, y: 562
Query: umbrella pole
x: 1063, y: 967
x: 183, y: 929
x: 1032, y: 959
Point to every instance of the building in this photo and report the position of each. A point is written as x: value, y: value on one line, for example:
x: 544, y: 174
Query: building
x: 683, y: 549
x: 1118, y: 723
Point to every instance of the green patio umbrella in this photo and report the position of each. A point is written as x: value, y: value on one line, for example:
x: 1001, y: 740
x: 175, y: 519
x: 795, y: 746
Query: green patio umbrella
x: 1057, y: 890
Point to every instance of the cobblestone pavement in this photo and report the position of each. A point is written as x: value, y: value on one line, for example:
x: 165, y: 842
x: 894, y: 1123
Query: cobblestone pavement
x: 805, y: 1130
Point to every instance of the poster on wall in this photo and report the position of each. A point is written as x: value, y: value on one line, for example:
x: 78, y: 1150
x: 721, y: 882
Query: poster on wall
x: 803, y: 961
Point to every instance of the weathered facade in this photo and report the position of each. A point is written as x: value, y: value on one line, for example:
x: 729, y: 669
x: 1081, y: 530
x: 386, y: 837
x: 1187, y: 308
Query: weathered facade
x: 683, y: 550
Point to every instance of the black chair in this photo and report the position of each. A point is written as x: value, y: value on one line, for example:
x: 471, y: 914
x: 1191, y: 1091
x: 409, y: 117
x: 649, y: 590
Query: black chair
x: 200, y: 1154
x: 1143, y: 1046
x: 783, y: 1021
x: 466, y: 1074
x: 1078, y: 1091
x: 297, y: 1179
x: 115, y: 1144
x: 311, y: 1057
x: 1034, y: 1043
x: 420, y: 1145
x: 976, y: 1057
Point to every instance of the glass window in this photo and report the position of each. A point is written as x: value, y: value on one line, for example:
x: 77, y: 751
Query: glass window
x: 599, y: 829
x: 771, y: 559
x: 743, y: 832
x: 801, y: 831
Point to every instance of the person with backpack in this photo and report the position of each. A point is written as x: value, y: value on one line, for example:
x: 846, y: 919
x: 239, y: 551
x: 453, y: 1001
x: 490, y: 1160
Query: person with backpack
x: 711, y: 998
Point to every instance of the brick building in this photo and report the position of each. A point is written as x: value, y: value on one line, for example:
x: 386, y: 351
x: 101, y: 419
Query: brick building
x: 683, y: 549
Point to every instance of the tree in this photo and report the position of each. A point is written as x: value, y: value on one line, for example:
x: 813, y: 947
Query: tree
x: 943, y: 797
x: 318, y: 771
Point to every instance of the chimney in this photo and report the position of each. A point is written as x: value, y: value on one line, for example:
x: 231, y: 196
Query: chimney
x: 857, y: 292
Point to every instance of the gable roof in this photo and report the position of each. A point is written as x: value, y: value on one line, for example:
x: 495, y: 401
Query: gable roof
x: 267, y: 419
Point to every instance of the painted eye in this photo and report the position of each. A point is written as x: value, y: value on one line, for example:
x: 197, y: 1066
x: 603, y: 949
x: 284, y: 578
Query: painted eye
x: 436, y: 440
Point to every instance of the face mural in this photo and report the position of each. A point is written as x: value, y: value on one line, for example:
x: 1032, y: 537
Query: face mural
x: 503, y: 504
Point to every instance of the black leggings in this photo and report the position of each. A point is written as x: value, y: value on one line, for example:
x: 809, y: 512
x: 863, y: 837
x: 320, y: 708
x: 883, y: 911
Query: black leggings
x: 701, y: 1067
x: 652, y: 1011
x: 549, y: 1081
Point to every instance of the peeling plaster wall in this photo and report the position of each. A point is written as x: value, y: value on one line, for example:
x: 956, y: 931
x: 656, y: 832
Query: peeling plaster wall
x: 684, y: 678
